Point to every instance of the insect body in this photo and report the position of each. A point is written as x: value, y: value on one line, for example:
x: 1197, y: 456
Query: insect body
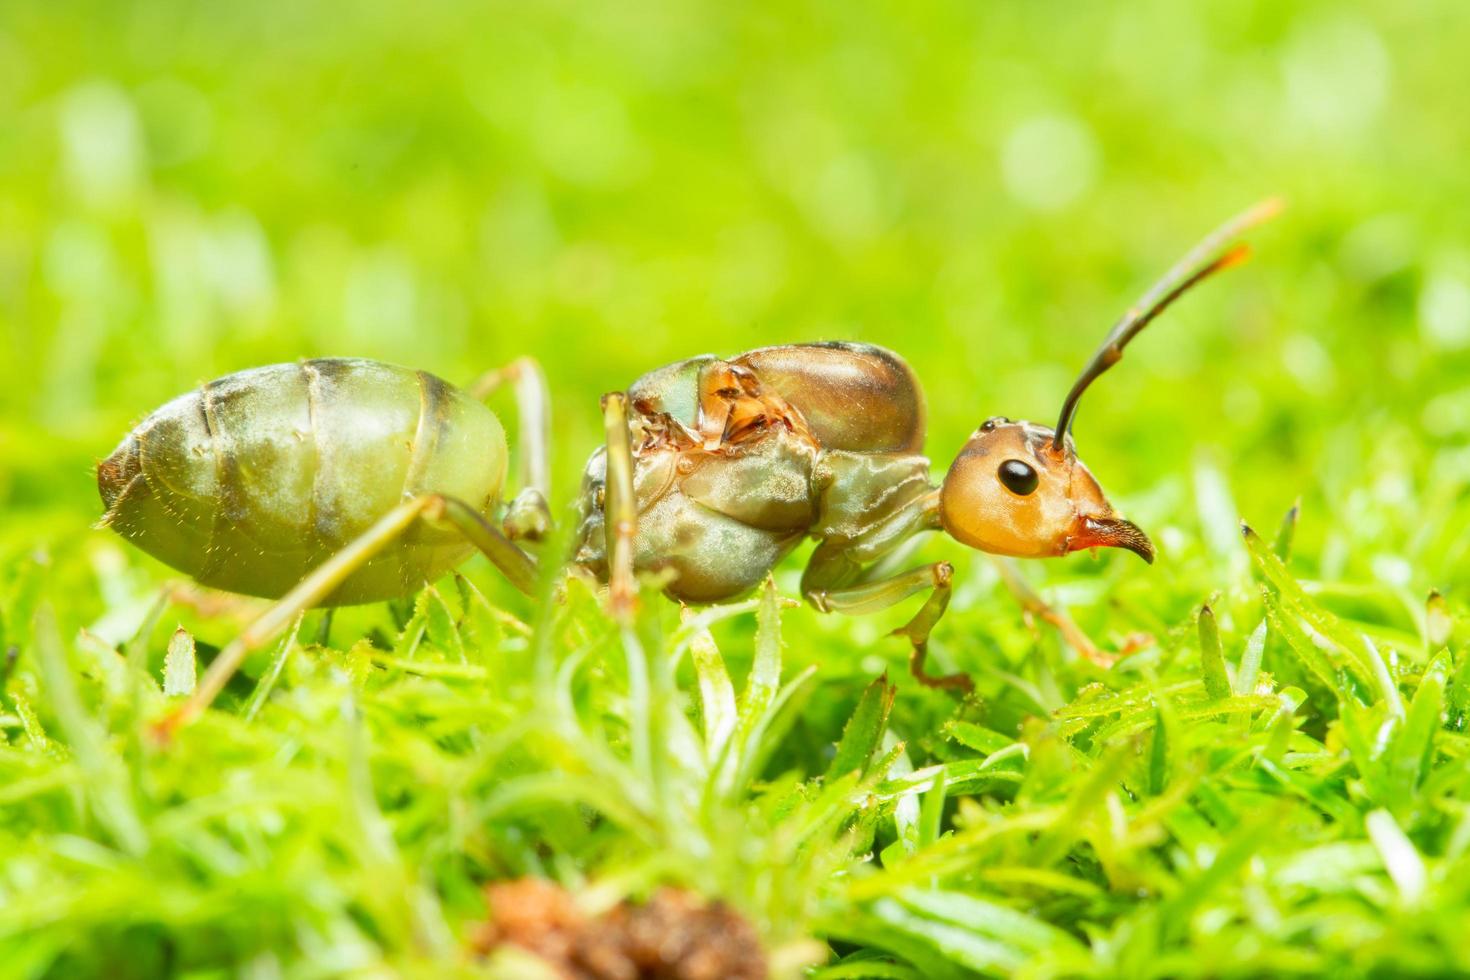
x: 737, y: 461
x: 341, y: 481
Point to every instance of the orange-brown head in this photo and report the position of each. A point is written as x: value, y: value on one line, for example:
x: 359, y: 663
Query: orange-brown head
x: 1011, y: 491
x: 1018, y: 488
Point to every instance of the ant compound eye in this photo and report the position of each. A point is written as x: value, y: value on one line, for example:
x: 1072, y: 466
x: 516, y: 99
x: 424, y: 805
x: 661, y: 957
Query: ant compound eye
x: 1019, y: 478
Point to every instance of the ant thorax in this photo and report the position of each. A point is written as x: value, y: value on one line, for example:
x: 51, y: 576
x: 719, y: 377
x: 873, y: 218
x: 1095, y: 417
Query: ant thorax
x: 719, y: 501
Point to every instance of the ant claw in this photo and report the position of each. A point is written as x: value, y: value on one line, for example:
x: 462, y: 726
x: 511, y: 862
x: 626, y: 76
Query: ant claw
x: 961, y: 683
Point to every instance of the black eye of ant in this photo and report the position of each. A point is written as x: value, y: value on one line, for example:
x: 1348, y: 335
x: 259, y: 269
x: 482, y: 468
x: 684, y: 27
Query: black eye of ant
x: 1019, y: 478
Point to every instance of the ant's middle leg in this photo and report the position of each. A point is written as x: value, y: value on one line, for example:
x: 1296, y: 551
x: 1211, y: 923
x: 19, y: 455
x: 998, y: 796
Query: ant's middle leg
x: 528, y: 514
x: 320, y: 583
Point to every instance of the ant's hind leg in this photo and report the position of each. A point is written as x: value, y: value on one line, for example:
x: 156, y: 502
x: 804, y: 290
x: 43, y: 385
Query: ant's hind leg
x: 868, y: 597
x: 528, y: 515
x: 620, y: 509
x: 319, y: 584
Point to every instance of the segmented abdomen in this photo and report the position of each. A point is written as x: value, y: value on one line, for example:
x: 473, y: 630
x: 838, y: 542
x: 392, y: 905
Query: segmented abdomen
x: 253, y: 480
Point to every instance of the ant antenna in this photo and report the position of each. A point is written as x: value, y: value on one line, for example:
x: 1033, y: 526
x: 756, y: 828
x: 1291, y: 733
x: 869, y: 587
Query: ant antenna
x: 1186, y: 273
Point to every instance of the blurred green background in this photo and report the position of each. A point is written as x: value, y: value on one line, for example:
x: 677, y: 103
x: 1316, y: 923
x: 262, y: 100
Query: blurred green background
x: 188, y: 189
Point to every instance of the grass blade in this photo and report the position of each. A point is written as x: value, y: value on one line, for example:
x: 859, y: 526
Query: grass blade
x: 765, y: 669
x: 179, y: 665
x: 267, y: 681
x: 983, y: 740
x: 1021, y: 932
x: 1212, y: 658
x: 1388, y: 689
x: 864, y: 730
x: 1401, y: 859
x: 1286, y: 533
x: 956, y: 943
x: 1250, y: 660
x: 1311, y: 656
x: 1158, y: 754
x: 715, y: 692
x: 1438, y: 625
x: 1364, y: 661
x: 107, y: 788
x: 1413, y: 746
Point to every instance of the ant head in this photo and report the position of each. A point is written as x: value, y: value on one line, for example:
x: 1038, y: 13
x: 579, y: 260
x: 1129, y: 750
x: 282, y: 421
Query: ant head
x: 1018, y: 488
x: 1013, y: 491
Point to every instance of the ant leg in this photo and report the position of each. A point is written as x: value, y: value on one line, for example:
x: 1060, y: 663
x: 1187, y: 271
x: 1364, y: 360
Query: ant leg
x: 326, y: 577
x: 1035, y: 605
x: 620, y: 509
x: 309, y: 592
x: 528, y: 515
x: 856, y: 600
x: 514, y: 564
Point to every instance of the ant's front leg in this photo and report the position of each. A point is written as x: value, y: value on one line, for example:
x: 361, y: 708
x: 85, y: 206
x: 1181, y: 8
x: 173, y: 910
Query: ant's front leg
x: 868, y: 597
x: 865, y: 521
x: 528, y: 515
x: 1034, y: 605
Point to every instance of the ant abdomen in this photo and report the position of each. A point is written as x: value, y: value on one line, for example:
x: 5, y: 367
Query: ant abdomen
x: 253, y: 480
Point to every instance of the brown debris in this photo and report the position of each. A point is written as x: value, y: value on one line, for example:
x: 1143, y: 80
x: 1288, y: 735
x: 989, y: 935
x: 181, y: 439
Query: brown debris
x: 675, y: 935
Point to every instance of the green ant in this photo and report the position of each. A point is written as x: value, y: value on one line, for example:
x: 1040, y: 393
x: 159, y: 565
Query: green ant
x: 334, y: 482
